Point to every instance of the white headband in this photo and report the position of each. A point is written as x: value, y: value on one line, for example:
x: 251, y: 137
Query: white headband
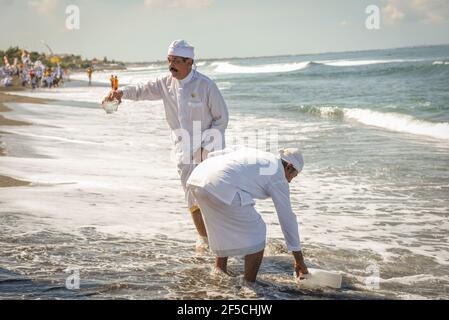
x: 293, y: 156
x: 181, y: 48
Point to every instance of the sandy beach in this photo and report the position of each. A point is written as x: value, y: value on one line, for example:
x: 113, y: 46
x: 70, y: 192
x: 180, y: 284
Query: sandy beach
x: 5, y: 122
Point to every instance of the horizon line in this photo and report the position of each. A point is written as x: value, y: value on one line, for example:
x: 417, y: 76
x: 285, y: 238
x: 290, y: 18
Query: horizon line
x: 302, y: 54
x: 255, y: 57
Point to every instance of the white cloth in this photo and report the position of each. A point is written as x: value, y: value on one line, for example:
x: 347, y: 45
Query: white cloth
x: 194, y: 102
x: 251, y: 174
x: 233, y: 230
x: 6, y: 82
x: 181, y: 48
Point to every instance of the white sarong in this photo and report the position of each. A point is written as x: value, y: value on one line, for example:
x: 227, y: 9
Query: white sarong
x: 233, y: 230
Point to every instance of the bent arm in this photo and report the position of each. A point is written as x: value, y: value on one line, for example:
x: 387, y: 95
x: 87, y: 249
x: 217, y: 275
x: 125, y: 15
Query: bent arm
x: 280, y: 194
x: 220, y: 119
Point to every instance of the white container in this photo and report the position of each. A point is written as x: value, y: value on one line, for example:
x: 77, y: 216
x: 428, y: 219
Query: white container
x: 320, y: 278
x: 110, y: 107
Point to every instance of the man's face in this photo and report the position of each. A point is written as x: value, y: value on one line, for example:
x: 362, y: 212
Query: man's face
x: 179, y: 67
x: 290, y: 172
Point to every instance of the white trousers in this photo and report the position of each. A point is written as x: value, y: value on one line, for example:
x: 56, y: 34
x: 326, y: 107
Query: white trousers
x: 184, y: 171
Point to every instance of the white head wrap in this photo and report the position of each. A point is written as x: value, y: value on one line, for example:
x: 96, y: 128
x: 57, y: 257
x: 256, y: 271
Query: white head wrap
x: 181, y: 48
x: 293, y: 156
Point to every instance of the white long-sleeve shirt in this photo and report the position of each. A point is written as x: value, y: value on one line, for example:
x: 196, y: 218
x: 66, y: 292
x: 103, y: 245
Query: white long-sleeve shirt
x: 195, y: 100
x: 252, y: 174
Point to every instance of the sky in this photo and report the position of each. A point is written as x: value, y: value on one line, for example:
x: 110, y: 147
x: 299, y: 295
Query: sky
x: 141, y: 30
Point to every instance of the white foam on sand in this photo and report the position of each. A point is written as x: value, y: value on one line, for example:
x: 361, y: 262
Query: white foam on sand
x: 109, y: 171
x: 114, y: 172
x: 410, y: 280
x: 81, y: 94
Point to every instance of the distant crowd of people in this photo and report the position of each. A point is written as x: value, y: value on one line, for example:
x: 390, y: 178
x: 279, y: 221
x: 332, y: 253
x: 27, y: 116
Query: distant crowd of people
x: 31, y: 74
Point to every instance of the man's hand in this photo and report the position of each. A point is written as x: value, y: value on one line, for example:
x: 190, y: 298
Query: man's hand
x: 300, y: 266
x: 114, y: 95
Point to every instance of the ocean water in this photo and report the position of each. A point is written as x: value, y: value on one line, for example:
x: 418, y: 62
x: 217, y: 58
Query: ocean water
x: 372, y: 201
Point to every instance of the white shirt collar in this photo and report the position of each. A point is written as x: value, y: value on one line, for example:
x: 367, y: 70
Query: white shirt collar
x: 187, y: 79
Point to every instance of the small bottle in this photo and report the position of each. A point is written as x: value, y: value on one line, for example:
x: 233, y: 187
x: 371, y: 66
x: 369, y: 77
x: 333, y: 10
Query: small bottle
x: 320, y: 278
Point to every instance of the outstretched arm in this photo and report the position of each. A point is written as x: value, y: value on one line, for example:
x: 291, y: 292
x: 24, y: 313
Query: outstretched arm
x: 149, y: 91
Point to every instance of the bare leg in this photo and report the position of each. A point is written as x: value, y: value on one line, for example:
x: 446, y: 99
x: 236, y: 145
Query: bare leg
x: 222, y: 264
x: 252, y: 264
x: 199, y: 223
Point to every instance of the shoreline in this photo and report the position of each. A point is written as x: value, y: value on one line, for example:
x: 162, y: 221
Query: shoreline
x: 5, y: 181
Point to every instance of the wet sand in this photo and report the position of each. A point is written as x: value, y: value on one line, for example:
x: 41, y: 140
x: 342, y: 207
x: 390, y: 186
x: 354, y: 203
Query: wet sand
x: 6, y: 182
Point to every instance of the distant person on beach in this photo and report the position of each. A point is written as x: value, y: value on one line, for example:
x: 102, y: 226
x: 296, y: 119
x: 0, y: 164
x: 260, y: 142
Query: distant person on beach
x: 193, y: 105
x: 26, y: 59
x: 48, y: 78
x: 5, y: 77
x: 115, y: 83
x: 225, y: 186
x: 39, y: 75
x: 24, y: 76
x: 33, y: 79
x: 111, y: 80
x: 89, y: 74
x: 59, y: 75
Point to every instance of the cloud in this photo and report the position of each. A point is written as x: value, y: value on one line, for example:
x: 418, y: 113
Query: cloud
x: 43, y: 6
x: 427, y: 11
x: 187, y: 4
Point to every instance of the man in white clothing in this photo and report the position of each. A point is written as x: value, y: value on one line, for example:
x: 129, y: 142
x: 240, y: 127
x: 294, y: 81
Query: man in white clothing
x: 195, y: 111
x: 225, y: 186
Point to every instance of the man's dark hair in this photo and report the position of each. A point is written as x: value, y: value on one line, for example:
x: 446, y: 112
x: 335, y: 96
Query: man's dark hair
x: 285, y: 164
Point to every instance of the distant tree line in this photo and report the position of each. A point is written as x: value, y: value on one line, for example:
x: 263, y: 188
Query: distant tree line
x: 70, y: 61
